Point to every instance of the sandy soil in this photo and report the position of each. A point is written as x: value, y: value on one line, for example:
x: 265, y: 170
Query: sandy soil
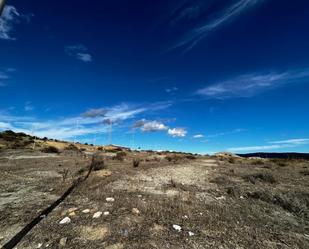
x: 216, y: 202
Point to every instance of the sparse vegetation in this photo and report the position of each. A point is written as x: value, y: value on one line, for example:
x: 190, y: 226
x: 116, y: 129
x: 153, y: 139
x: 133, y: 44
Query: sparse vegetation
x: 120, y: 155
x: 71, y: 147
x: 136, y: 162
x: 50, y: 149
x: 263, y: 177
x: 98, y: 162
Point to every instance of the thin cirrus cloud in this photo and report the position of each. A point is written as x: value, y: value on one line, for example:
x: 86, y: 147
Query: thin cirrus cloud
x: 5, y: 75
x: 198, y: 33
x: 89, y: 122
x: 79, y: 52
x: 9, y: 18
x: 274, y: 145
x: 249, y: 85
x: 198, y: 136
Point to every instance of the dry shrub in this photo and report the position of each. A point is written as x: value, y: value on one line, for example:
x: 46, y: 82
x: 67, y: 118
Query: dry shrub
x: 50, y: 149
x: 120, y: 155
x: 98, y: 162
x: 220, y: 180
x: 136, y: 162
x: 174, y: 158
x: 263, y: 177
x: 72, y: 147
x: 280, y: 162
x: 234, y: 191
x: 294, y: 202
x: 257, y: 162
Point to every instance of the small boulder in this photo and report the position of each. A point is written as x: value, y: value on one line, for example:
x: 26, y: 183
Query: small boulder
x: 86, y: 211
x: 63, y: 242
x: 66, y: 220
x: 135, y: 211
x: 177, y: 228
x: 110, y: 199
x: 97, y: 215
x: 191, y: 233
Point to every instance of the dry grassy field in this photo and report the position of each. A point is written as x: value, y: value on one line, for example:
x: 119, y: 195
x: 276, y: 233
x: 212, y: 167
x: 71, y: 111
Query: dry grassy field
x: 150, y: 199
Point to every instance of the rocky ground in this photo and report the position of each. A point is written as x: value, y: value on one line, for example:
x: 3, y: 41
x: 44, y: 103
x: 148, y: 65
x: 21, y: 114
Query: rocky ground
x: 167, y: 200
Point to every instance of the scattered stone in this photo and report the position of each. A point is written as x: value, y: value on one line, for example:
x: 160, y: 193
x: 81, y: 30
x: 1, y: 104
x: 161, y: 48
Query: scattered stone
x: 72, y: 214
x: 135, y: 211
x: 185, y: 216
x: 71, y: 210
x: 177, y: 228
x: 104, y: 173
x: 63, y: 241
x: 191, y: 233
x: 94, y: 233
x: 115, y: 246
x: 97, y: 215
x: 66, y: 220
x: 220, y: 198
x: 106, y: 213
x: 86, y: 211
x: 39, y: 245
x: 110, y: 199
x: 139, y: 196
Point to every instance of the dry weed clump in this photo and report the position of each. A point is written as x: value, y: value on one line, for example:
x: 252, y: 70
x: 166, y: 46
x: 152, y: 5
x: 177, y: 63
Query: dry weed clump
x: 98, y: 162
x: 120, y: 155
x: 136, y: 162
x: 263, y: 177
x: 50, y: 149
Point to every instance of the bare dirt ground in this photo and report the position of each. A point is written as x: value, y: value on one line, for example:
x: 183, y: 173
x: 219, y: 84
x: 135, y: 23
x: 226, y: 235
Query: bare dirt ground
x: 207, y: 202
x: 215, y: 202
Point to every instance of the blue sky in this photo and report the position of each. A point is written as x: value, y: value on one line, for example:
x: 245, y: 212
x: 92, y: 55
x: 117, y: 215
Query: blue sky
x: 199, y: 76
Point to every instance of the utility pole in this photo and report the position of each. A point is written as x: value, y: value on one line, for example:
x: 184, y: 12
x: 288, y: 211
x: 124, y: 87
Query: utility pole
x: 2, y: 3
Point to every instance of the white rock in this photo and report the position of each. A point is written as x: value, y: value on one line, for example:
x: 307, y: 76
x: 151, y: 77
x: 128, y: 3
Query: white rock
x: 97, y: 215
x: 177, y: 228
x: 185, y: 216
x: 39, y: 245
x: 66, y: 220
x: 135, y: 211
x: 191, y: 233
x: 86, y: 211
x: 110, y: 199
x: 220, y: 198
x: 106, y: 213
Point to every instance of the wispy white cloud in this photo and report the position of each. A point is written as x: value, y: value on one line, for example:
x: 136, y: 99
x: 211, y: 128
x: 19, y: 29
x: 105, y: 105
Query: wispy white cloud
x: 296, y: 141
x: 217, y: 19
x: 5, y: 75
x: 177, y: 132
x: 274, y: 145
x: 225, y: 133
x: 198, y: 136
x: 8, y: 19
x: 28, y: 106
x: 171, y: 90
x: 79, y: 52
x: 251, y: 84
x: 90, y: 122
